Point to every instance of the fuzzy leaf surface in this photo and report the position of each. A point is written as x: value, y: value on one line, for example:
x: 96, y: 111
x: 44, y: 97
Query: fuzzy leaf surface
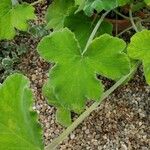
x: 19, y: 129
x: 14, y: 17
x: 73, y: 78
x: 139, y: 49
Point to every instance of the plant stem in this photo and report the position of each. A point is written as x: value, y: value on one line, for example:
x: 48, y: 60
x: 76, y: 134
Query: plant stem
x: 58, y: 140
x: 127, y: 29
x: 131, y: 19
x: 36, y: 2
x: 123, y: 16
x: 94, y: 31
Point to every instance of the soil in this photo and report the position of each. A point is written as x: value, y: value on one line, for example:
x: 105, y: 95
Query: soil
x: 120, y: 123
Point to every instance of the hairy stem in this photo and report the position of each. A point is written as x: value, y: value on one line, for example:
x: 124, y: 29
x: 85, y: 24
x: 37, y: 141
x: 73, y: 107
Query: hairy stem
x: 58, y: 140
x: 94, y: 31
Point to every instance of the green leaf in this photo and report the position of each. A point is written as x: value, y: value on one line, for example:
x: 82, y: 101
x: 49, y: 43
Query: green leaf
x: 100, y: 5
x: 73, y: 78
x: 48, y: 92
x: 139, y: 49
x: 38, y: 31
x: 79, y: 2
x: 68, y: 56
x: 14, y: 17
x: 106, y: 54
x: 82, y: 26
x: 63, y: 116
x: 22, y: 49
x: 57, y: 12
x: 18, y: 124
x: 7, y: 63
x: 147, y: 2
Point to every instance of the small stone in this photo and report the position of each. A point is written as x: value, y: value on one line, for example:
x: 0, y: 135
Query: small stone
x: 123, y: 147
x: 140, y: 123
x: 33, y: 77
x: 87, y: 131
x: 72, y: 136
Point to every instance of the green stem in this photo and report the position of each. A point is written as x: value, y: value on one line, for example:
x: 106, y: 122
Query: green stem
x: 36, y: 2
x: 58, y: 140
x: 94, y: 31
x: 131, y: 19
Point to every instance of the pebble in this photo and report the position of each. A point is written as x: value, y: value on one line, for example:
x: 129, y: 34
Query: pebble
x: 72, y: 136
x: 34, y: 77
x: 87, y: 131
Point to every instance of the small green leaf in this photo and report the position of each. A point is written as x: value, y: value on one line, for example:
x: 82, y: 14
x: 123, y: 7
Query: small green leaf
x: 38, y: 31
x: 73, y: 80
x: 18, y: 124
x: 139, y: 49
x: 7, y: 63
x: 14, y: 17
x: 57, y: 12
x: 22, y: 49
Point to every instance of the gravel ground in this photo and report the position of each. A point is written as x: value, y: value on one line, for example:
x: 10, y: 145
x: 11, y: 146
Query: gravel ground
x: 120, y: 123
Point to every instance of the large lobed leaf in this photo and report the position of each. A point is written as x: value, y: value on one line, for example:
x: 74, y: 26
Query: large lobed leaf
x: 19, y: 129
x: 14, y: 17
x: 73, y: 78
x: 139, y: 49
